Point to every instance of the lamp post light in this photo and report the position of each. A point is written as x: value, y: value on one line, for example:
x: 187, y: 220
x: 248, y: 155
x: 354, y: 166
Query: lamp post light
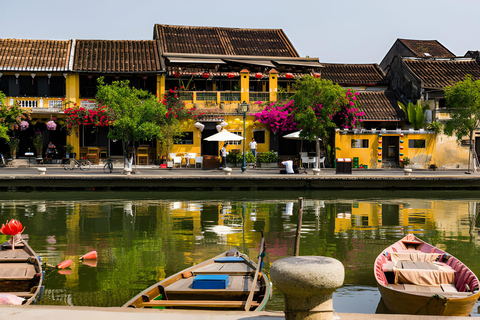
x: 243, y: 108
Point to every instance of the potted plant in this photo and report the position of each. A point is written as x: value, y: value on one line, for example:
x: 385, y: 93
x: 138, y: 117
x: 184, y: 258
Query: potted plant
x: 13, y: 144
x: 68, y: 151
x: 234, y: 158
x: 38, y: 144
x: 406, y: 162
x: 268, y: 159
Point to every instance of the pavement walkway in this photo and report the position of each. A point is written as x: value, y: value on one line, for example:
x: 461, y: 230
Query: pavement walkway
x: 39, y: 312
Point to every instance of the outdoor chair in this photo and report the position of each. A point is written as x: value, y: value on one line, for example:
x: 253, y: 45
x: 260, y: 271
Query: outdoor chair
x: 188, y: 157
x: 306, y: 161
x: 93, y: 154
x: 322, y: 162
x: 177, y: 161
x: 142, y: 156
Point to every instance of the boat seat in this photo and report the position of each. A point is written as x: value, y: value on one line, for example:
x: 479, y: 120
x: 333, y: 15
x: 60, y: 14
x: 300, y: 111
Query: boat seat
x: 14, y: 256
x: 17, y: 271
x: 238, y: 285
x: 388, y: 266
x: 197, y: 303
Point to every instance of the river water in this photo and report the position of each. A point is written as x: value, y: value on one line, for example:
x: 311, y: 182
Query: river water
x: 142, y: 238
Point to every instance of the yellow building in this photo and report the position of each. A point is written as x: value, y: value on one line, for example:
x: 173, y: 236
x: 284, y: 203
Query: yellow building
x: 371, y: 149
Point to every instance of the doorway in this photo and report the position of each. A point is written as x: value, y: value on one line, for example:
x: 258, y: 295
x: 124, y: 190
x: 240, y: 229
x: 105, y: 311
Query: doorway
x: 390, y: 154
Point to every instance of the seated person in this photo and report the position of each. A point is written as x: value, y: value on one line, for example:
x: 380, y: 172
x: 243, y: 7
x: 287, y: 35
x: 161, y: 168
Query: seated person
x: 289, y: 167
x: 51, y: 150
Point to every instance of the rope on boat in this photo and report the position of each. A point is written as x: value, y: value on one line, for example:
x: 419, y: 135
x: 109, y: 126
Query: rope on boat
x: 436, y: 297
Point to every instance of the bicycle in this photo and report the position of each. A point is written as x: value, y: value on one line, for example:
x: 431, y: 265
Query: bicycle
x: 84, y: 165
x: 108, y: 167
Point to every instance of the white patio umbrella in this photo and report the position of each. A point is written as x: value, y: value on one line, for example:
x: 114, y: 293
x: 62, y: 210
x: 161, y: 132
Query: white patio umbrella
x: 295, y: 136
x: 224, y: 135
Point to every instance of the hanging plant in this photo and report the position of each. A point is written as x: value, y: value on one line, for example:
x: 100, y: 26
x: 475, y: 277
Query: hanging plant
x: 24, y: 125
x: 51, y: 125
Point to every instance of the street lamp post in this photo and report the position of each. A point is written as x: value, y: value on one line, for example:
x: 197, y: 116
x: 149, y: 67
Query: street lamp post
x: 243, y: 107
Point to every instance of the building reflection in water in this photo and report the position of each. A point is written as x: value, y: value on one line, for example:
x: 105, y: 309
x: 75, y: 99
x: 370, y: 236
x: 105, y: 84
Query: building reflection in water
x: 140, y: 242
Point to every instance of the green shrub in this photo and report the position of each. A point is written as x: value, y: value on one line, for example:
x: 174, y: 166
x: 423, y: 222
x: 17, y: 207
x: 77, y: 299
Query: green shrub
x: 238, y: 157
x: 249, y: 157
x: 233, y: 157
x: 268, y: 157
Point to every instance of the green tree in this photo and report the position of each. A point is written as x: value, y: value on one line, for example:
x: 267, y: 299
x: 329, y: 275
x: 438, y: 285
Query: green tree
x: 321, y: 107
x: 138, y: 116
x: 10, y: 117
x: 463, y: 103
x: 414, y: 114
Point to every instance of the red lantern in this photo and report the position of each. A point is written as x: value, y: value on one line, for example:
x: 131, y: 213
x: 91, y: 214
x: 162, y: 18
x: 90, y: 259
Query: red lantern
x: 230, y: 75
x: 258, y: 75
x: 206, y: 75
x: 288, y: 75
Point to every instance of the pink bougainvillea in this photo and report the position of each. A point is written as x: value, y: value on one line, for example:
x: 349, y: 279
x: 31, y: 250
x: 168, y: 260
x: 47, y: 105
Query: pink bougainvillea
x: 278, y: 115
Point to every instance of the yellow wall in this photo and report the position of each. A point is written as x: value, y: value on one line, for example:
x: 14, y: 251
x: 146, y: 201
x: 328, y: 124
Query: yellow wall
x: 420, y: 158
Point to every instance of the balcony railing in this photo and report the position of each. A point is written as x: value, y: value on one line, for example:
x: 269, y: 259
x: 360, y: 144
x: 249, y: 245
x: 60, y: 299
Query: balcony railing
x: 88, y: 104
x: 259, y: 96
x: 230, y: 96
x: 28, y: 103
x: 40, y: 105
x: 206, y: 96
x: 220, y: 97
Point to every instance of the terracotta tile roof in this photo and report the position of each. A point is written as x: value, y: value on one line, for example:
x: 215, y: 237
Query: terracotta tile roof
x: 116, y: 56
x: 427, y: 48
x: 34, y: 55
x: 380, y: 106
x: 224, y: 41
x: 361, y: 74
x: 441, y: 73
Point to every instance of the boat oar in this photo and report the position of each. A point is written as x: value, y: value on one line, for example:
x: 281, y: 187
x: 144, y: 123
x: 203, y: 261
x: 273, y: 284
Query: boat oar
x: 61, y: 265
x: 248, y: 303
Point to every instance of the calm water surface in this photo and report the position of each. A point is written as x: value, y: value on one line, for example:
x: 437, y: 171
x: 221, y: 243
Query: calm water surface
x: 142, y: 238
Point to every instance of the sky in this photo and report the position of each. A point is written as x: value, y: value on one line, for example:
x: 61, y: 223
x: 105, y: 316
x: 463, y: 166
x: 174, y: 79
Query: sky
x: 346, y: 31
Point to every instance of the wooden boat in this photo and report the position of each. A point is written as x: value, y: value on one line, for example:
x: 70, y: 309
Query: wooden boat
x: 21, y: 274
x: 221, y: 283
x: 414, y: 277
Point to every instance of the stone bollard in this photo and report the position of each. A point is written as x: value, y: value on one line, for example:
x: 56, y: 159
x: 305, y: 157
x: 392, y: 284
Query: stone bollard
x: 307, y: 283
x: 227, y: 171
x: 42, y: 171
x: 316, y: 172
x: 128, y: 171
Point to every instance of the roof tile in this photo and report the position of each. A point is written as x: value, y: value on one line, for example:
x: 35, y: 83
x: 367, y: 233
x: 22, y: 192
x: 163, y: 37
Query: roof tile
x: 224, y: 41
x: 116, y: 56
x: 442, y: 73
x: 380, y: 106
x: 427, y: 48
x: 353, y: 73
x: 34, y: 55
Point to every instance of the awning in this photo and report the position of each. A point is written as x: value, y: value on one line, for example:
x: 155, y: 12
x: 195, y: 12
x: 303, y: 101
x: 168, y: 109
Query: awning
x: 311, y: 64
x: 263, y: 63
x: 195, y: 60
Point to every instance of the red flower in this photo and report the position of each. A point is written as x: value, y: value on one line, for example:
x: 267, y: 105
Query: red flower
x: 12, y: 228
